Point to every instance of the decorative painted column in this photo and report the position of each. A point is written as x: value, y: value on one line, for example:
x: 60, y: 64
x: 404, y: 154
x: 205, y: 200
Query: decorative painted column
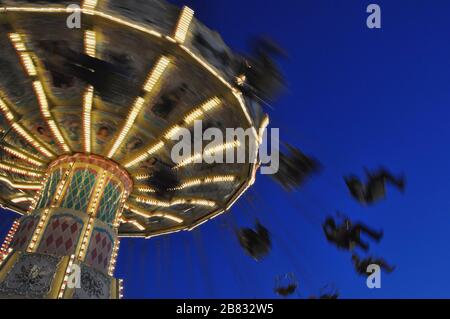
x: 72, y: 225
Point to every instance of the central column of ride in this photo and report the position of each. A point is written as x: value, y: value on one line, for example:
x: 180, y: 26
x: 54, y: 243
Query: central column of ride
x: 67, y: 245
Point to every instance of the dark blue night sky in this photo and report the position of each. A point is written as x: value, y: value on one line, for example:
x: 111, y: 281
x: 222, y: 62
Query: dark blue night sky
x: 356, y: 98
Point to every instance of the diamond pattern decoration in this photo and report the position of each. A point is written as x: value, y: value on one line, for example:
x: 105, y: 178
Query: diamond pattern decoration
x: 100, y: 250
x: 49, y: 189
x: 24, y: 233
x: 80, y: 190
x: 61, y: 235
x: 109, y: 204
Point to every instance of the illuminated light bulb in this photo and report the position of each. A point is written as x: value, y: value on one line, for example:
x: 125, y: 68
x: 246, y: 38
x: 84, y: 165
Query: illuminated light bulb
x: 20, y: 171
x: 201, y: 110
x: 28, y: 64
x: 20, y: 185
x: 156, y: 73
x: 89, y: 4
x: 90, y: 40
x: 172, y: 132
x: 206, y: 180
x: 22, y: 155
x: 183, y: 24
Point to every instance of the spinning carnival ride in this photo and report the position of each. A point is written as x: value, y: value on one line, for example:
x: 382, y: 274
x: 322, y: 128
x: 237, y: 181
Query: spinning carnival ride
x: 87, y: 119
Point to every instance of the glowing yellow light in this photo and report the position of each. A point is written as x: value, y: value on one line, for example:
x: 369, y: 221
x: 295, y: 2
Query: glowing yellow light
x: 43, y: 103
x: 39, y: 9
x: 42, y: 99
x: 30, y: 139
x: 97, y: 194
x: 28, y: 64
x: 89, y: 4
x: 37, y: 232
x: 86, y: 236
x: 120, y: 288
x: 172, y: 132
x: 5, y: 110
x: 126, y: 23
x: 145, y: 189
x: 240, y: 80
x: 39, y: 89
x: 206, y: 180
x: 19, y: 45
x: 149, y: 31
x: 202, y: 109
x: 90, y: 40
x: 156, y: 73
x: 219, y: 148
x: 25, y: 57
x: 143, y: 213
x: 208, y: 151
x: 22, y: 155
x: 142, y: 176
x: 144, y: 155
x: 66, y: 276
x: 137, y: 107
x: 19, y: 170
x: 87, y: 108
x: 191, y: 117
x: 202, y: 202
x: 112, y: 262
x: 179, y: 201
x: 183, y: 24
x: 122, y: 204
x: 22, y: 199
x: 134, y: 222
x: 58, y: 135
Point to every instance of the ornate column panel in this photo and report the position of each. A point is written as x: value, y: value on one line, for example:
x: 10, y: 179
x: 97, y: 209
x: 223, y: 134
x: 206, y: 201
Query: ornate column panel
x: 73, y: 224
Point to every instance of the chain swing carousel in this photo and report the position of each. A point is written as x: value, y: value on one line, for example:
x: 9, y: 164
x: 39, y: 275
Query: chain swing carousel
x: 87, y: 117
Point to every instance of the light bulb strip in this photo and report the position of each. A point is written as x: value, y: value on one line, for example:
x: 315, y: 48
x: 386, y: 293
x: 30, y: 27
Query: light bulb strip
x: 120, y: 210
x: 90, y: 43
x: 208, y: 152
x: 22, y: 155
x: 146, y: 214
x: 37, y: 233
x: 18, y: 170
x: 142, y: 176
x: 183, y: 24
x: 87, y: 110
x: 4, y: 249
x: 113, y: 260
x: 144, y: 189
x: 3, y: 257
x: 38, y: 194
x: 87, y: 233
x: 175, y: 202
x: 89, y: 10
x: 153, y: 78
x: 19, y: 45
x: 134, y: 222
x: 66, y: 276
x: 188, y: 119
x: 19, y: 129
x: 205, y: 180
x: 48, y: 117
x: 22, y: 199
x: 23, y: 186
x: 89, y: 4
x: 120, y: 288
